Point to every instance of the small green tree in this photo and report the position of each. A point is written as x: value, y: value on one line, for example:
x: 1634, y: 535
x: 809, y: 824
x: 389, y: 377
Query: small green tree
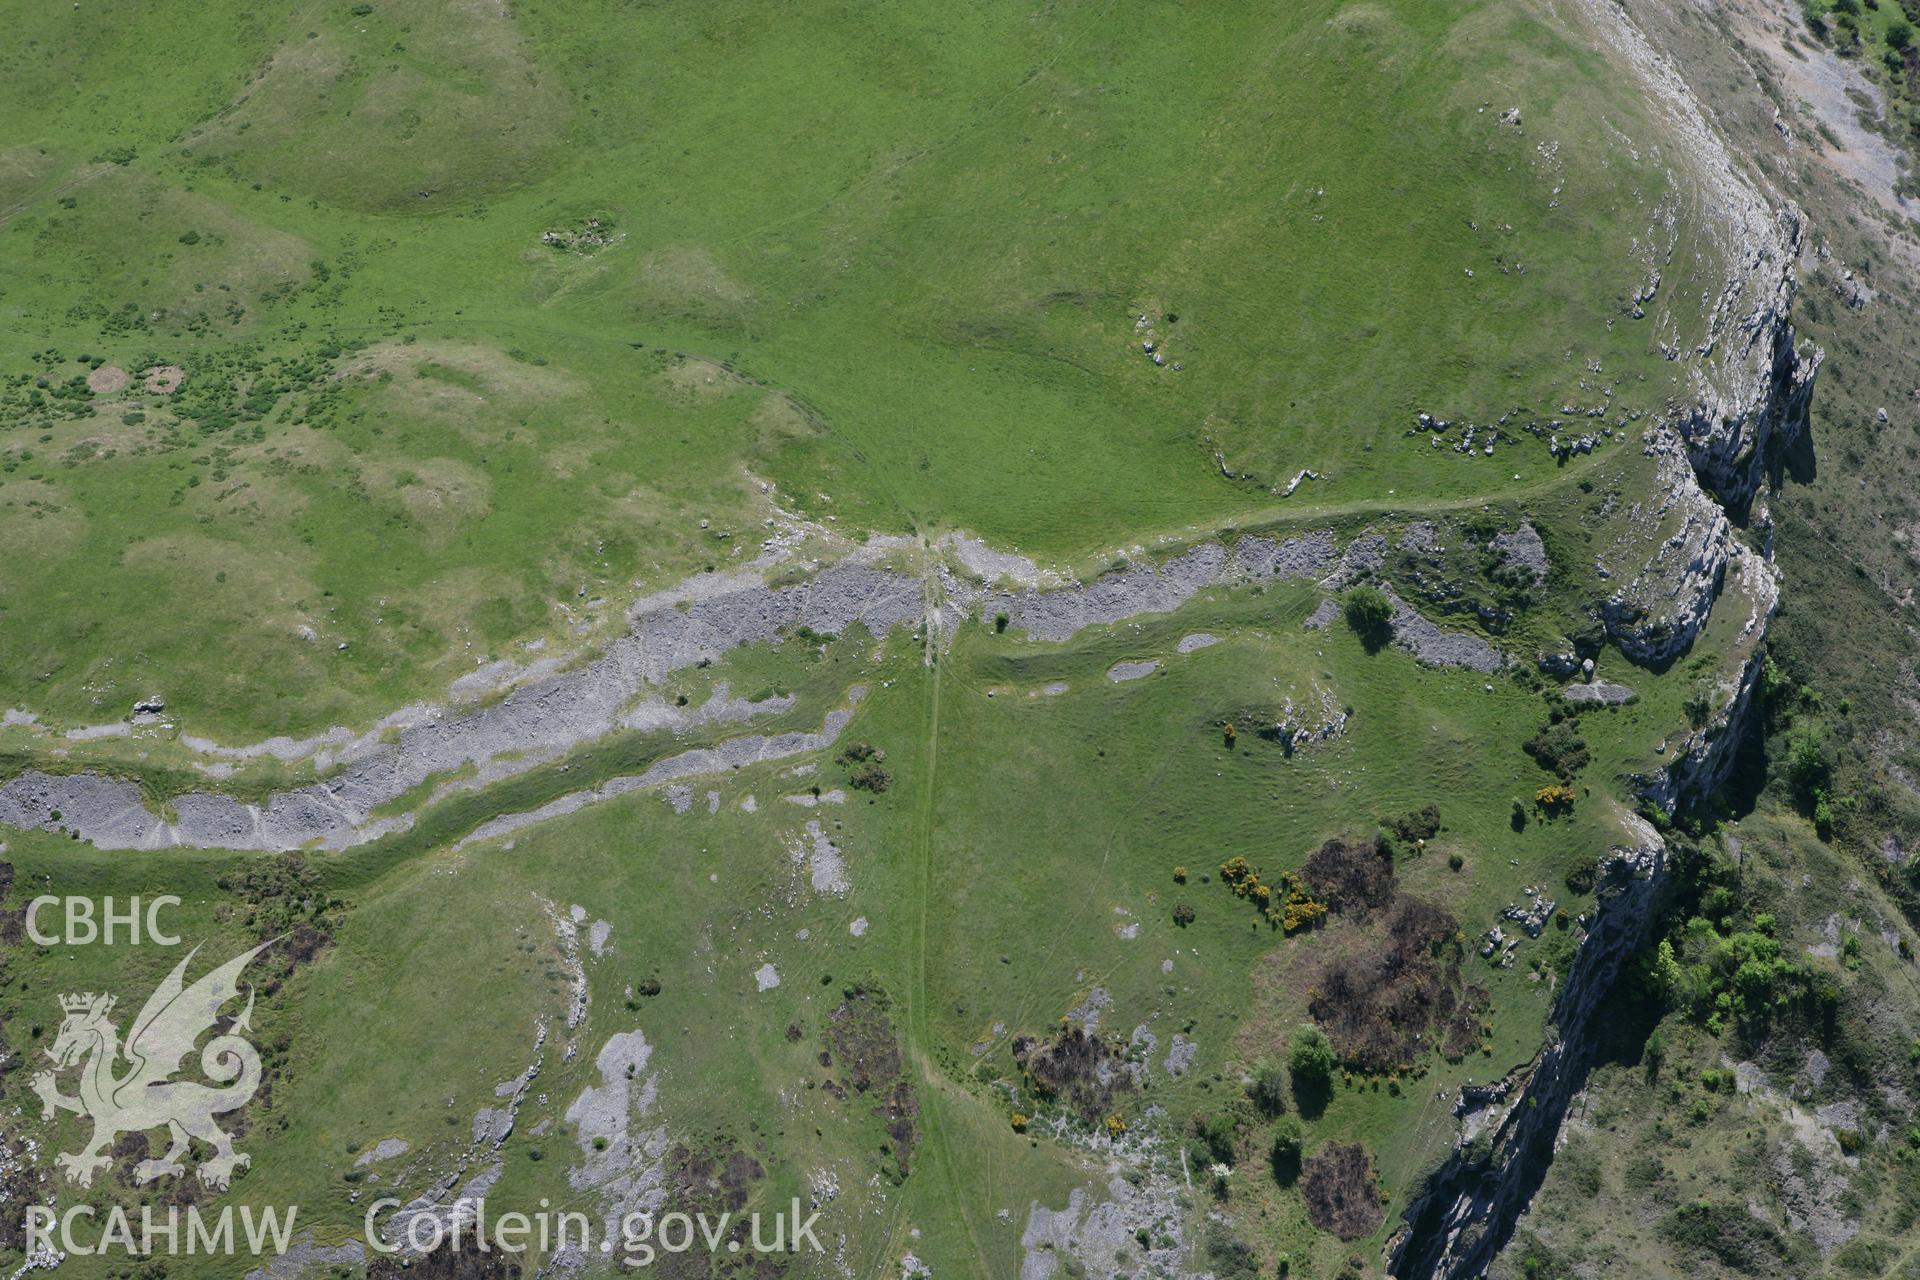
x: 1807, y: 768
x: 1268, y: 1087
x: 1370, y: 614
x: 1311, y: 1059
x: 1287, y: 1145
x: 1219, y: 1134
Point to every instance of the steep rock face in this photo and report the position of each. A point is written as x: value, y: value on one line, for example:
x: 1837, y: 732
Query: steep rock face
x: 1751, y: 381
x: 1467, y: 1210
x: 1656, y: 615
x: 1754, y: 382
x: 1704, y: 760
x: 1751, y: 384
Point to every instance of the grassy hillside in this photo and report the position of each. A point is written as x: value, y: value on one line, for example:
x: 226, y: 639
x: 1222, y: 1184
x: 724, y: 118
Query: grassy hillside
x: 345, y: 348
x: 918, y: 247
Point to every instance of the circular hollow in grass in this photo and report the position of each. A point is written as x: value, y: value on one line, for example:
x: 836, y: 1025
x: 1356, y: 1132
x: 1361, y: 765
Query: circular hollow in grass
x: 164, y: 379
x: 107, y: 380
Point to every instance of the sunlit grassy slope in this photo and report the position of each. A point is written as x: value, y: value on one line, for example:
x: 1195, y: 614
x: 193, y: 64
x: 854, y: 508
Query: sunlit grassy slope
x: 919, y: 238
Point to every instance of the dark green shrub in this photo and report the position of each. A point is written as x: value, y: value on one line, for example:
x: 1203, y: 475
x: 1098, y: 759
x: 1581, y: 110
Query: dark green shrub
x: 1370, y: 614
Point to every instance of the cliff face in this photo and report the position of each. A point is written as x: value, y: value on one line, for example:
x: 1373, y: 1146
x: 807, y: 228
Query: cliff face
x: 1655, y: 616
x: 1467, y: 1210
x: 1751, y: 380
x: 1754, y: 385
x: 1703, y: 761
x: 1754, y: 381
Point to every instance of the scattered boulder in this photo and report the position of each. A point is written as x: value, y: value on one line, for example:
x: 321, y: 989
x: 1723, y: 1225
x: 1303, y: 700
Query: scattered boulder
x: 1522, y: 553
x: 1559, y: 665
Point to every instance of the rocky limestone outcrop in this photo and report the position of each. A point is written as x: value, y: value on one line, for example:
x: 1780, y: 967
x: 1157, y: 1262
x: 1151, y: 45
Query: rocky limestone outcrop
x: 1465, y: 1212
x: 534, y: 724
x: 1656, y: 615
x: 1704, y: 759
x: 1753, y: 381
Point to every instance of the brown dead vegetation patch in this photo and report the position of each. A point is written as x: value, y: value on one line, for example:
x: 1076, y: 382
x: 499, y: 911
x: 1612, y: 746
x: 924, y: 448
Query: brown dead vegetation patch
x: 1382, y: 987
x: 720, y: 1175
x: 1388, y: 985
x: 900, y: 1111
x: 13, y: 921
x: 861, y: 1043
x: 1077, y: 1069
x: 466, y: 1261
x: 717, y: 1179
x: 860, y: 1039
x: 107, y: 380
x: 1338, y: 1187
x: 163, y: 379
x: 1353, y: 877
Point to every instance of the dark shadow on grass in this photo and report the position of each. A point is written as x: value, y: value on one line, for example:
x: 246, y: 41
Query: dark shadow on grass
x: 1286, y: 1166
x: 1311, y: 1095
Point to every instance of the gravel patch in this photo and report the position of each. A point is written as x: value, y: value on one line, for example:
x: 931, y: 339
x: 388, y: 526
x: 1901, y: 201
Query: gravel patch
x: 107, y: 380
x: 620, y: 1156
x: 736, y: 753
x: 1599, y: 691
x: 1088, y: 1011
x: 385, y: 1149
x: 305, y: 1258
x: 1418, y: 536
x: 94, y: 732
x: 826, y: 869
x: 807, y: 800
x: 766, y: 977
x: 1127, y: 593
x: 1198, y: 640
x: 1101, y: 1237
x: 1120, y: 672
x: 701, y: 620
x: 1307, y: 556
x: 1433, y: 647
x: 1365, y: 555
x: 992, y: 565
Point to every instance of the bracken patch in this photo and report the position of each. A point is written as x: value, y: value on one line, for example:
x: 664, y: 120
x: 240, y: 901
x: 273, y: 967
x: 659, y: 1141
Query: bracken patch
x: 1381, y: 988
x: 1338, y: 1187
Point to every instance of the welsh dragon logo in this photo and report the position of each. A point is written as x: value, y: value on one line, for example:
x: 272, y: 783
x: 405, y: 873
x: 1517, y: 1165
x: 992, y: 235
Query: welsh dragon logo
x: 145, y: 1097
